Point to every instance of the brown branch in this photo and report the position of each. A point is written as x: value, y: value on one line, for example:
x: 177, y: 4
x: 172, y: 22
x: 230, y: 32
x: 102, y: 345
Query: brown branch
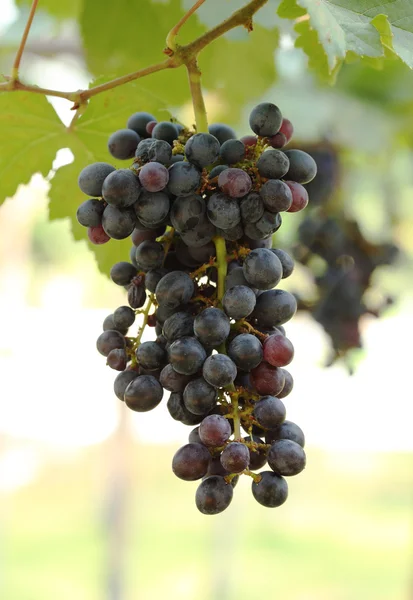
x: 171, y: 37
x: 16, y: 64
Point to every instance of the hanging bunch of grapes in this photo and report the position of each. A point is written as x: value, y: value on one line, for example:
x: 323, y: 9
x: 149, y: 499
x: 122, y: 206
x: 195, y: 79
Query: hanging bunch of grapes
x: 201, y: 210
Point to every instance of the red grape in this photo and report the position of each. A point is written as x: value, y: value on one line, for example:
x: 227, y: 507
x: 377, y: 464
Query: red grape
x: 288, y: 384
x: 267, y: 379
x: 300, y: 196
x: 97, y: 235
x: 249, y: 140
x: 278, y: 140
x: 287, y: 129
x: 154, y: 177
x: 150, y: 127
x: 278, y: 350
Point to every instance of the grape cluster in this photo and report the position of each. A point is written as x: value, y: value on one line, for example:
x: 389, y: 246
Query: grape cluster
x: 201, y: 209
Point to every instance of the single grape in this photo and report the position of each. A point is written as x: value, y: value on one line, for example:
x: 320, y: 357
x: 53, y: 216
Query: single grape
x: 252, y: 208
x: 222, y: 132
x: 235, y: 277
x: 160, y: 151
x: 274, y: 307
x: 150, y: 127
x: 200, y: 397
x: 164, y: 130
x: 254, y: 234
x: 232, y: 151
x: 276, y: 195
x: 187, y: 212
x: 202, y: 254
x: 143, y: 393
x: 121, y: 188
x: 268, y: 224
x: 288, y: 384
x: 211, y: 327
x: 239, y: 302
x: 246, y: 351
x: 303, y: 167
x: 232, y: 234
x: 273, y: 164
x: 97, y: 235
x: 180, y: 324
x: 186, y: 355
x: 164, y: 312
x: 152, y: 208
x: 179, y: 412
x: 278, y: 350
x: 213, y: 495
x: 271, y: 490
x: 253, y: 244
x: 287, y: 262
x: 136, y: 296
x: 184, y: 179
x: 174, y: 288
x: 219, y: 370
x: 216, y: 171
x: 108, y: 323
x: 138, y: 122
x: 142, y: 152
x: 91, y: 178
x: 287, y: 129
x: 122, y: 381
x: 173, y: 381
x: 118, y: 223
x: 234, y: 182
x: 267, y: 379
x: 89, y: 213
x: 249, y: 141
x: 122, y: 144
x: 286, y: 457
x: 262, y: 269
x: 191, y: 462
x: 265, y: 119
x: 235, y: 457
x: 300, y: 196
x: 123, y: 317
x: 176, y: 158
x: 109, y: 340
x: 202, y: 149
x: 149, y: 255
x: 286, y: 431
x: 258, y: 456
x: 277, y: 141
x: 154, y: 176
x: 122, y: 273
x: 153, y: 277
x: 269, y: 411
x: 222, y: 211
x: 193, y: 437
x: 183, y: 255
x: 200, y: 235
x: 150, y: 355
x: 117, y: 359
x: 214, y: 430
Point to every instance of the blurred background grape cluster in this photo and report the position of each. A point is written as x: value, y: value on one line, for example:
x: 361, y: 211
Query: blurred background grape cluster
x: 89, y: 507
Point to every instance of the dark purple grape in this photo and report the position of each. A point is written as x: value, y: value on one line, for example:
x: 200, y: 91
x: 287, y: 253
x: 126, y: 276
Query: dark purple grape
x: 193, y: 437
x: 265, y: 119
x: 269, y: 411
x: 91, y: 178
x: 152, y: 208
x: 179, y: 412
x: 138, y: 122
x: 109, y: 340
x: 200, y: 235
x: 108, y: 323
x: 174, y: 288
x: 271, y: 490
x: 184, y: 179
x: 219, y: 370
x: 202, y: 149
x: 136, y: 296
x: 121, y: 188
x: 287, y: 262
x: 122, y: 381
x: 288, y: 384
x: 222, y: 211
x: 286, y: 457
x: 164, y: 130
x: 117, y: 359
x: 160, y: 151
x: 149, y: 255
x: 153, y: 277
x: 232, y: 151
x: 239, y: 302
x: 232, y: 234
x: 303, y: 167
x: 191, y: 462
x: 246, y: 351
x: 118, y: 223
x: 274, y: 307
x: 200, y: 397
x: 258, y: 456
x: 143, y: 393
x: 268, y: 224
x: 89, y: 213
x: 211, y: 327
x: 262, y: 269
x: 187, y: 212
x: 252, y: 208
x: 186, y: 355
x: 216, y: 171
x: 173, y: 381
x: 286, y: 431
x: 180, y: 324
x: 222, y: 132
x: 122, y: 273
x: 235, y: 457
x: 150, y: 355
x: 123, y: 317
x: 122, y: 144
x: 202, y: 254
x: 214, y: 430
x: 213, y: 495
x: 273, y: 164
x: 276, y: 195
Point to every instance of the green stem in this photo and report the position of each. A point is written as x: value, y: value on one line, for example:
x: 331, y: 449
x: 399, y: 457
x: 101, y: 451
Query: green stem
x: 145, y: 320
x: 19, y: 54
x: 194, y: 76
x: 221, y: 252
x: 171, y: 37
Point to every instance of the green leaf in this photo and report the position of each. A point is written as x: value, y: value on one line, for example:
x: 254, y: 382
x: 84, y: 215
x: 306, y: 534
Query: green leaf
x: 63, y: 9
x: 31, y: 135
x: 365, y: 28
x: 88, y: 142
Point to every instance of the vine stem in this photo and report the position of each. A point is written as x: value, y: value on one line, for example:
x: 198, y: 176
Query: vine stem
x: 182, y: 55
x: 148, y: 307
x: 221, y: 252
x: 171, y: 37
x: 194, y: 76
x: 19, y: 54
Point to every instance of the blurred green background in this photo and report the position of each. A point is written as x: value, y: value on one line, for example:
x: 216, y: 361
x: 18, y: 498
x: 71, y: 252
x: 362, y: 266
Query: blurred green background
x: 89, y: 507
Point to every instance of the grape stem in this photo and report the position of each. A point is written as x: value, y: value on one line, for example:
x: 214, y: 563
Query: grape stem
x: 145, y: 313
x: 20, y: 50
x: 171, y: 44
x: 194, y: 76
x: 221, y: 252
x: 183, y: 55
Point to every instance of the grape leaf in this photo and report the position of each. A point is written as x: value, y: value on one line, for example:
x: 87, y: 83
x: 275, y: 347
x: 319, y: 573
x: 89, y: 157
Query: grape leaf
x: 31, y: 135
x: 365, y: 28
x: 88, y: 142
